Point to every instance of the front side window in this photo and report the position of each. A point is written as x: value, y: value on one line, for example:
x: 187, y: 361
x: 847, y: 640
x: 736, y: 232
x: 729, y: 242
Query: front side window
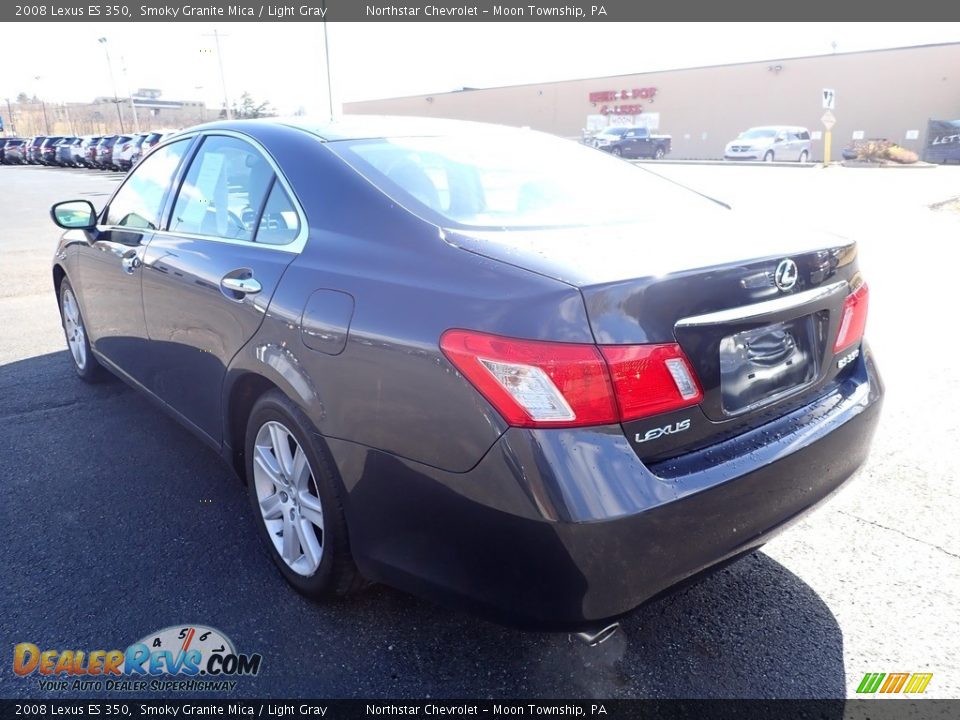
x: 139, y: 202
x: 224, y: 190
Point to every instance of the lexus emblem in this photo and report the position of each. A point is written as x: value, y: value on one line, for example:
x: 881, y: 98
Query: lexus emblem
x: 786, y: 275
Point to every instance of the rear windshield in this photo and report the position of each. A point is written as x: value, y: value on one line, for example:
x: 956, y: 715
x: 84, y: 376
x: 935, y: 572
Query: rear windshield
x: 517, y: 179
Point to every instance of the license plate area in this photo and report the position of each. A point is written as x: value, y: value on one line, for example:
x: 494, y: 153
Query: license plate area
x: 761, y: 365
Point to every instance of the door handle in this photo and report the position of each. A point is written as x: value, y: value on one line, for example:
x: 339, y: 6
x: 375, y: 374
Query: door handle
x: 130, y: 261
x: 244, y: 286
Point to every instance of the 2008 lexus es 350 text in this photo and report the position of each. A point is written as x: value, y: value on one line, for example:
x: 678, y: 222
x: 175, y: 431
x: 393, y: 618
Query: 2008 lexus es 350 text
x: 486, y: 366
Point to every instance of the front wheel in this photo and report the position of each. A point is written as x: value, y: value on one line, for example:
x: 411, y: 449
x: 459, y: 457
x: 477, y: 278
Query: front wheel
x: 75, y: 332
x: 617, y: 152
x: 768, y: 157
x: 296, y: 500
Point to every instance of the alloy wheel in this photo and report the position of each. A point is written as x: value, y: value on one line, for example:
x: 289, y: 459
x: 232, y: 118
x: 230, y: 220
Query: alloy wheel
x: 288, y: 498
x: 73, y: 328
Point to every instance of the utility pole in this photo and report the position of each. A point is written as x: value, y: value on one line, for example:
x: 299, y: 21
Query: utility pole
x: 66, y: 111
x: 43, y: 106
x: 13, y: 128
x: 113, y: 82
x: 223, y: 82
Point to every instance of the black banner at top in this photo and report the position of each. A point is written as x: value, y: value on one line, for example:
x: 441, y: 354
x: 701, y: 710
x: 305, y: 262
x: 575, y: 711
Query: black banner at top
x: 472, y: 11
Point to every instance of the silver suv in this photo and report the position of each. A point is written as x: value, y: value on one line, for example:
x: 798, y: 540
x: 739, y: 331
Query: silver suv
x: 769, y: 143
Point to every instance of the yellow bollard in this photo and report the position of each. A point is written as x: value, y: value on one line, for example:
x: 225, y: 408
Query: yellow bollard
x: 826, y: 148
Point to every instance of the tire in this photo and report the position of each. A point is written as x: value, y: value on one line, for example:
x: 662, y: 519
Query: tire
x: 768, y: 157
x: 616, y: 152
x: 804, y: 156
x: 75, y: 332
x: 658, y: 154
x: 320, y: 565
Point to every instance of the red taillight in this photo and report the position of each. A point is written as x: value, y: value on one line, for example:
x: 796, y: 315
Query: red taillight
x: 651, y: 379
x: 853, y: 320
x: 533, y: 383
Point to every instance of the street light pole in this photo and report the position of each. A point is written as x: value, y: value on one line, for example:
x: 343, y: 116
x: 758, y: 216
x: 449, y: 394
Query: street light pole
x: 223, y: 80
x: 326, y: 52
x: 113, y: 83
x: 133, y: 107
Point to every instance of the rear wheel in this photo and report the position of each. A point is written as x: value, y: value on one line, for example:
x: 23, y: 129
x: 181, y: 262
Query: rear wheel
x: 296, y: 500
x: 804, y: 156
x: 769, y: 156
x: 75, y: 332
x: 658, y: 154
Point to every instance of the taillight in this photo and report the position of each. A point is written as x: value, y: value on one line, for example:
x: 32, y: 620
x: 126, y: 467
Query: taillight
x: 534, y: 383
x: 651, y: 379
x: 853, y: 320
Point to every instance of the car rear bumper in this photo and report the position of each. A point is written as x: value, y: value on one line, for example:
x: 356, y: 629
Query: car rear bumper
x: 561, y: 529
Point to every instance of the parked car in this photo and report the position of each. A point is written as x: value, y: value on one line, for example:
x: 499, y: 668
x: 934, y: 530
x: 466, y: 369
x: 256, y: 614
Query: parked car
x: 47, y: 152
x: 33, y: 149
x: 90, y: 150
x: 15, y: 151
x: 149, y: 142
x: 495, y: 368
x: 125, y: 149
x: 773, y: 142
x: 64, y: 151
x: 636, y: 142
x: 105, y: 147
x: 4, y: 142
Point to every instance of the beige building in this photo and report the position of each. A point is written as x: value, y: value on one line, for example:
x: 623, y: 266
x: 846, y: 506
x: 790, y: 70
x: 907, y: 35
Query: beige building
x: 879, y: 93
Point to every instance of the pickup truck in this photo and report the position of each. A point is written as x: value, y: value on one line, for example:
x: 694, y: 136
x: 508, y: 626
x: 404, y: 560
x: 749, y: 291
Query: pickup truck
x: 639, y: 142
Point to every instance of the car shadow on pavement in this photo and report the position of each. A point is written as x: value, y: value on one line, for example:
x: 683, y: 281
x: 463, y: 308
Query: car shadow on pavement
x: 143, y: 527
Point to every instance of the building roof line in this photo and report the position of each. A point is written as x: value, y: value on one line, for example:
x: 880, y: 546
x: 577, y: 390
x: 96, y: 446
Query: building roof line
x: 460, y: 91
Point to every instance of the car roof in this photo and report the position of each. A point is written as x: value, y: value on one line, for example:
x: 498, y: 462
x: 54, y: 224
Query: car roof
x: 364, y: 127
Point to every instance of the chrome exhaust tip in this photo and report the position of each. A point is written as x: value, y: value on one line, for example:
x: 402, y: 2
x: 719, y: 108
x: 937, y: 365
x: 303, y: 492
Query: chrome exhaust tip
x: 592, y: 638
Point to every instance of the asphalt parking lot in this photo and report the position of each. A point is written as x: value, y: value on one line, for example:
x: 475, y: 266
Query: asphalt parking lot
x: 121, y: 523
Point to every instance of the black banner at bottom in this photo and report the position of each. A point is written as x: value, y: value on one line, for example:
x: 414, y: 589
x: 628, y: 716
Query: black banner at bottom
x: 877, y: 709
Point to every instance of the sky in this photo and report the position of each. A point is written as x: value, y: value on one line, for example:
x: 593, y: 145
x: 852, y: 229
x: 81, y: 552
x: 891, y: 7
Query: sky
x: 283, y: 63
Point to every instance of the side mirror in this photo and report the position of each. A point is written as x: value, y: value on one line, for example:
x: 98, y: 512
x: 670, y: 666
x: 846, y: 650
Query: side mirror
x: 74, y: 215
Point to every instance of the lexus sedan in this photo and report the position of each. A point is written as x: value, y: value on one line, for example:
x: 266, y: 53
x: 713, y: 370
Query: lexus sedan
x: 483, y: 365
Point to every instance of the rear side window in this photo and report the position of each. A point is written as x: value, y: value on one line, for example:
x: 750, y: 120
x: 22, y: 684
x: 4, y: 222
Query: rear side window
x: 803, y: 135
x: 224, y: 190
x: 280, y: 223
x: 139, y: 202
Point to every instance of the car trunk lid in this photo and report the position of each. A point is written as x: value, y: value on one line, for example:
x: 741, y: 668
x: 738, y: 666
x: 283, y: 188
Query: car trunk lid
x: 755, y: 313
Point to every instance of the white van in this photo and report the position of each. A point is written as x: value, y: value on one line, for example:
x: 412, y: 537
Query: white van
x: 769, y: 143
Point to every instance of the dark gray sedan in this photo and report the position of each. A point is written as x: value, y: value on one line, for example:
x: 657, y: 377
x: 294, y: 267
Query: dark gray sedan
x: 489, y: 367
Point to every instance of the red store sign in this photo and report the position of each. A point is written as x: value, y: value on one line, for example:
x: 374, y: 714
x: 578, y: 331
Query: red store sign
x: 606, y: 96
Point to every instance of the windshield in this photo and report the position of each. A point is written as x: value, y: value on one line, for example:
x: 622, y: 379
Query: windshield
x: 514, y: 179
x: 758, y: 133
x: 614, y: 131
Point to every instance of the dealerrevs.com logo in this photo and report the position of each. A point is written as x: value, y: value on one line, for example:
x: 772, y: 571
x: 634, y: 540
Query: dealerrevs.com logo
x: 185, y: 658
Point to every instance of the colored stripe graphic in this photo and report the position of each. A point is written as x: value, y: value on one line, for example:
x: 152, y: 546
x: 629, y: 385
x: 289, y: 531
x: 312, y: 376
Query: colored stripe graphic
x: 918, y: 682
x: 870, y: 682
x: 894, y: 682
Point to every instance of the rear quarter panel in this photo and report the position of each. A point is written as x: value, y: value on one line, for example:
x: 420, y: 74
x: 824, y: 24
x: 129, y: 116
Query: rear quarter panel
x: 391, y: 388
